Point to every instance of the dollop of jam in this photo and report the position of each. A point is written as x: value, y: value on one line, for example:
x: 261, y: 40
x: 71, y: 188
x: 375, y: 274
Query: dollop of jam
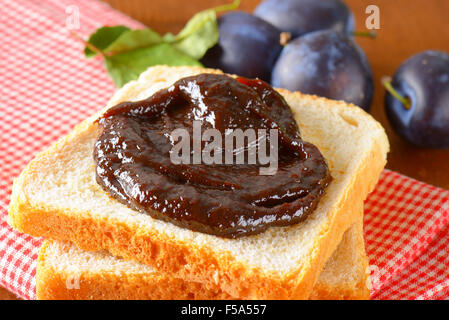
x: 133, y: 164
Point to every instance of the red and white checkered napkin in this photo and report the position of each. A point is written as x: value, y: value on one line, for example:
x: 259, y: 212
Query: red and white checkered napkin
x: 46, y: 87
x: 425, y: 278
x: 402, y: 217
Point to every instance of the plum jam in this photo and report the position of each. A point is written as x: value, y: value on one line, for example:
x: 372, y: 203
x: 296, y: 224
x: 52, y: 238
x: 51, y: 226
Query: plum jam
x: 133, y: 163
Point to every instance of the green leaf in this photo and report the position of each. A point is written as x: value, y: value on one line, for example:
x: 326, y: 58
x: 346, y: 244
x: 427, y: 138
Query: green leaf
x: 199, y: 34
x: 201, y: 31
x: 103, y: 37
x: 134, y: 39
x: 127, y: 66
x: 128, y: 53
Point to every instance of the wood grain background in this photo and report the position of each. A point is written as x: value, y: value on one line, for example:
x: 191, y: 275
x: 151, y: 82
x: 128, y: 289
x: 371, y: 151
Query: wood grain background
x: 406, y: 27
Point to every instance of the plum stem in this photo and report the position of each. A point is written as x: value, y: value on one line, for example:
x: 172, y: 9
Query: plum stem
x: 386, y: 81
x: 227, y: 7
x: 369, y: 34
x: 284, y: 38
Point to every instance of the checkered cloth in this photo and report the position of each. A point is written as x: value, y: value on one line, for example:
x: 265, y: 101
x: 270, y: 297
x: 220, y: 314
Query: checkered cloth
x: 47, y: 86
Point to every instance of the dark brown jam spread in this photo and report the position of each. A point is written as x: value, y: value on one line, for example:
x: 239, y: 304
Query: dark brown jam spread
x: 133, y: 164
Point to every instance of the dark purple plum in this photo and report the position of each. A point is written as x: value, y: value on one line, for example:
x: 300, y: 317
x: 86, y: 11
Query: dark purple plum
x: 303, y: 16
x: 247, y: 46
x: 423, y: 80
x: 325, y: 63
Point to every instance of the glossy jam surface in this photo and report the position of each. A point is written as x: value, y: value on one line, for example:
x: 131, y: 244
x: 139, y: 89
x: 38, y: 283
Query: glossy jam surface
x: 133, y: 165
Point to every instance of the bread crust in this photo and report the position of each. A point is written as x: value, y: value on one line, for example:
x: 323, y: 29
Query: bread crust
x: 59, y: 285
x: 323, y: 292
x: 181, y: 258
x: 52, y: 284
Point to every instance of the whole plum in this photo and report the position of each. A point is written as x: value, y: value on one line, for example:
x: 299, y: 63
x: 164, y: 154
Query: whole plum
x: 247, y: 46
x: 420, y: 111
x: 325, y: 63
x: 303, y: 16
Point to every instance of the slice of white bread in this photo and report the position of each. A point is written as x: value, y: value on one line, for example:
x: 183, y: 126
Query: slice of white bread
x: 65, y: 272
x: 57, y: 197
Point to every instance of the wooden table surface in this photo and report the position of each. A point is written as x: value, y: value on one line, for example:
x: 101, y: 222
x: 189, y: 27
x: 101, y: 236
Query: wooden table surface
x: 406, y: 27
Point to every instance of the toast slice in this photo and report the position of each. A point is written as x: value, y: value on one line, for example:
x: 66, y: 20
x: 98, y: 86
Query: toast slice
x: 57, y: 197
x: 66, y: 272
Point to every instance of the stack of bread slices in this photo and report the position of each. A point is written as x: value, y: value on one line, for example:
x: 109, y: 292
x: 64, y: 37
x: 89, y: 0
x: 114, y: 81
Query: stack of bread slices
x: 98, y: 248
